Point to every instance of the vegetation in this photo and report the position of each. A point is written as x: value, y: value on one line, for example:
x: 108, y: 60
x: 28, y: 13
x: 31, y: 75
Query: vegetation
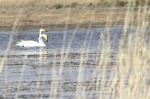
x: 122, y: 3
x: 74, y: 4
x: 57, y: 4
x: 129, y: 78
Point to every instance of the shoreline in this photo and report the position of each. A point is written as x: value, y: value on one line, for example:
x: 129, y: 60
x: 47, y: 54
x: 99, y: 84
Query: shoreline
x: 61, y: 26
x: 65, y: 18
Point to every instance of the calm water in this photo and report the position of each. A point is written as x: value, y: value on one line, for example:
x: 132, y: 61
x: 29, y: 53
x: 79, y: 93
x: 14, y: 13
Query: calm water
x: 75, y: 39
x: 28, y: 74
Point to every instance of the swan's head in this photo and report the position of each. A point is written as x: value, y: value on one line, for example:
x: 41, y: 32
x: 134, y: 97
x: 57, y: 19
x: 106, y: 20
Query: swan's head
x: 42, y: 30
x: 45, y: 37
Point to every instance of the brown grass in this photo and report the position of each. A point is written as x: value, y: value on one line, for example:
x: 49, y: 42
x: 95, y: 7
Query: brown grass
x: 27, y: 3
x: 60, y: 17
x: 46, y: 11
x: 49, y: 3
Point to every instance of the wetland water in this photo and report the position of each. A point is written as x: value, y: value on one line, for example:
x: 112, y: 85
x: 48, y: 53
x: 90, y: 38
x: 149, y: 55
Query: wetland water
x: 66, y: 69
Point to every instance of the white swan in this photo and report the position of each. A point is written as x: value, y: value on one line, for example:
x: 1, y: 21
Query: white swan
x: 30, y: 43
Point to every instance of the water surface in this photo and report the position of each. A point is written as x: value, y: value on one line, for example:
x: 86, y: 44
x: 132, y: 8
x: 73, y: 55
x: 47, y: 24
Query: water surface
x: 43, y: 72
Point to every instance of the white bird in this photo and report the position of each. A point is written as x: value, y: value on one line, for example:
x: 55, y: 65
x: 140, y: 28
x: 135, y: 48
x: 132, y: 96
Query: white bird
x: 30, y: 43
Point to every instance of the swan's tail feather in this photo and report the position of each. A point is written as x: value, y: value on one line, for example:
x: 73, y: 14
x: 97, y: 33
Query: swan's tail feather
x: 19, y: 43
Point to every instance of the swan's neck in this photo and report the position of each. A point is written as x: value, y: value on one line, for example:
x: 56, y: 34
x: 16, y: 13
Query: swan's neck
x: 40, y: 38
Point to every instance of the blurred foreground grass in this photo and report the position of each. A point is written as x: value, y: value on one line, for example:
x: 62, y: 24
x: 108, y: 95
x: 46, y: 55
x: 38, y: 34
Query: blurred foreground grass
x: 131, y: 78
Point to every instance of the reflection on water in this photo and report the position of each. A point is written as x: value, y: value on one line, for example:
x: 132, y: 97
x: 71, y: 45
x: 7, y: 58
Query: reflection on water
x: 60, y: 71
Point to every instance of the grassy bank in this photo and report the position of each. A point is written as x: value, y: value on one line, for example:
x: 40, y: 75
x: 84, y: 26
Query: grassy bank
x: 53, y: 3
x: 33, y: 12
x: 62, y: 16
x: 57, y: 4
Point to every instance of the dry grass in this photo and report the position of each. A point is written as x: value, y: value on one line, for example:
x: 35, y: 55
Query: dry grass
x: 60, y: 17
x: 32, y: 3
x: 130, y: 80
x: 46, y: 12
x: 64, y: 3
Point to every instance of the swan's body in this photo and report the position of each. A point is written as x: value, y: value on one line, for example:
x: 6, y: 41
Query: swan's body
x: 31, y: 43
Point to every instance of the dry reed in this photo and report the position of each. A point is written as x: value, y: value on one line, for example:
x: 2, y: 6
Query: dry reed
x: 129, y: 80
